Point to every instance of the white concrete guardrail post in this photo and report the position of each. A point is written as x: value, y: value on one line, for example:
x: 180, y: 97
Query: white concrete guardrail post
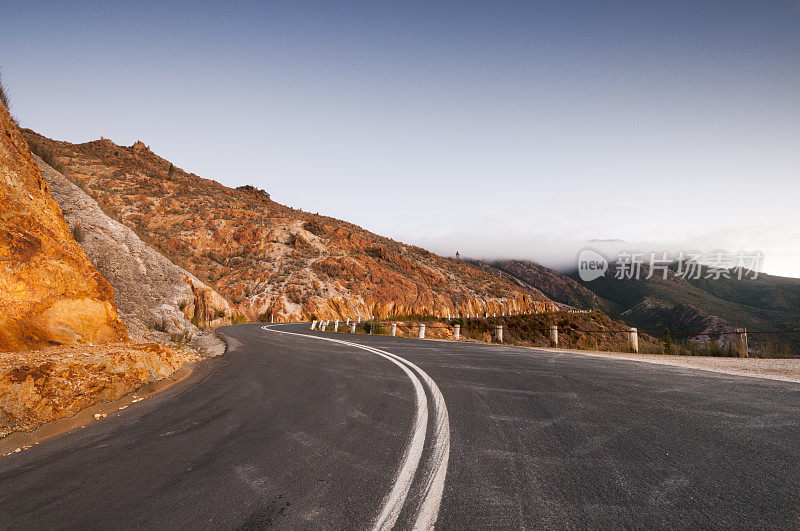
x: 456, y: 332
x: 313, y: 324
x: 421, y: 331
x: 353, y: 327
x: 394, y: 329
x: 271, y: 318
x: 336, y: 326
x: 633, y: 339
x: 498, y: 330
x: 741, y: 342
x: 348, y: 321
x: 554, y: 336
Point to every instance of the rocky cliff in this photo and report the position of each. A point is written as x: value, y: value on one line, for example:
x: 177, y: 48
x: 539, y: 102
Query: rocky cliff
x: 272, y: 261
x: 49, y: 291
x: 157, y: 300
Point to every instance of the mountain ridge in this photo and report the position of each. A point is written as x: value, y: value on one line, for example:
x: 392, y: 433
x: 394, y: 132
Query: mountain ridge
x: 272, y: 261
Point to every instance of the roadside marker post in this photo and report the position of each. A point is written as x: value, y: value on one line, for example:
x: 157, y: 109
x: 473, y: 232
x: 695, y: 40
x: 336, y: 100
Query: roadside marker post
x: 353, y: 327
x: 554, y: 336
x: 421, y: 331
x: 456, y: 332
x: 313, y: 324
x: 394, y: 329
x: 633, y: 339
x: 740, y: 344
x: 336, y: 326
x: 499, y: 333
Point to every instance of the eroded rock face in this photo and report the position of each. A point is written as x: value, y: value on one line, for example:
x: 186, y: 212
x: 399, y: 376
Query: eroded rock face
x: 157, y: 300
x: 49, y: 291
x: 272, y: 261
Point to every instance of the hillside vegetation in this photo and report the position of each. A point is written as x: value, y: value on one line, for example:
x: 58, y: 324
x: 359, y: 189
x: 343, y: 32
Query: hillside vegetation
x: 270, y: 260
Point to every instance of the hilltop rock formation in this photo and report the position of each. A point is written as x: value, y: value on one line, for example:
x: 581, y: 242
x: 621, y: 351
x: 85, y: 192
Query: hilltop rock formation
x: 49, y: 291
x: 272, y: 261
x: 157, y: 300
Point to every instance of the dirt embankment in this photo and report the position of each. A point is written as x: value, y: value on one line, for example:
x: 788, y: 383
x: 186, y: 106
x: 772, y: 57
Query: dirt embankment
x: 56, y: 382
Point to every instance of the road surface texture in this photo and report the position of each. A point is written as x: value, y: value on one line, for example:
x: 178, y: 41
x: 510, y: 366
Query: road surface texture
x: 291, y: 429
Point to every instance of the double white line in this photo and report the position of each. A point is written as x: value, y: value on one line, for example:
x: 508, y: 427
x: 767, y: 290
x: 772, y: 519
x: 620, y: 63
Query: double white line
x: 432, y: 481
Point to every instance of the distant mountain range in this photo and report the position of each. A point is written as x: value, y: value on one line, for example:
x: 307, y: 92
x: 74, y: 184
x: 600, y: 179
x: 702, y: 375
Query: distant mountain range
x: 767, y: 304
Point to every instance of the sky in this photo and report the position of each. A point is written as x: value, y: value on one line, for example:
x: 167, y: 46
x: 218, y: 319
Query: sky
x: 496, y: 129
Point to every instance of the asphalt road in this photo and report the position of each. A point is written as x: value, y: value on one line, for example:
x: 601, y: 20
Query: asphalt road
x: 292, y: 430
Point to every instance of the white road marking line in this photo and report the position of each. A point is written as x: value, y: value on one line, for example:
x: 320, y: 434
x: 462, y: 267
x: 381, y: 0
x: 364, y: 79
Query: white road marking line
x: 427, y: 508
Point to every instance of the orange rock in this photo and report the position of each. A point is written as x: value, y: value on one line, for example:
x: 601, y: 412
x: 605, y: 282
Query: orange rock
x: 49, y: 291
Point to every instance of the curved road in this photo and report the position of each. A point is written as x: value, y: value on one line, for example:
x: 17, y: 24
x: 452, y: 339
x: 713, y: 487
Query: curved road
x: 293, y: 428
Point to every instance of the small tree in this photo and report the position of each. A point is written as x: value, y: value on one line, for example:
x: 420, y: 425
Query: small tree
x: 667, y: 342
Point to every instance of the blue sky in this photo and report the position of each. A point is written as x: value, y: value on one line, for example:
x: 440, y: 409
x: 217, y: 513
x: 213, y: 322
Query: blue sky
x: 522, y: 129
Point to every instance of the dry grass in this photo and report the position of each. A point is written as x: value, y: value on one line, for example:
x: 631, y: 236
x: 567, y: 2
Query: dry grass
x: 46, y: 154
x: 6, y: 101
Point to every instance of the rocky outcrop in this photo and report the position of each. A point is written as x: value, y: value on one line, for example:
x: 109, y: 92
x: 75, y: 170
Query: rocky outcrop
x: 49, y: 291
x: 56, y: 382
x: 274, y: 262
x: 157, y: 300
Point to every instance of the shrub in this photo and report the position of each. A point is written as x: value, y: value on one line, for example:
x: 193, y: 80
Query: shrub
x: 180, y: 338
x: 667, y: 342
x: 46, y: 154
x: 4, y: 95
x: 78, y: 232
x: 253, y: 190
x: 314, y: 227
